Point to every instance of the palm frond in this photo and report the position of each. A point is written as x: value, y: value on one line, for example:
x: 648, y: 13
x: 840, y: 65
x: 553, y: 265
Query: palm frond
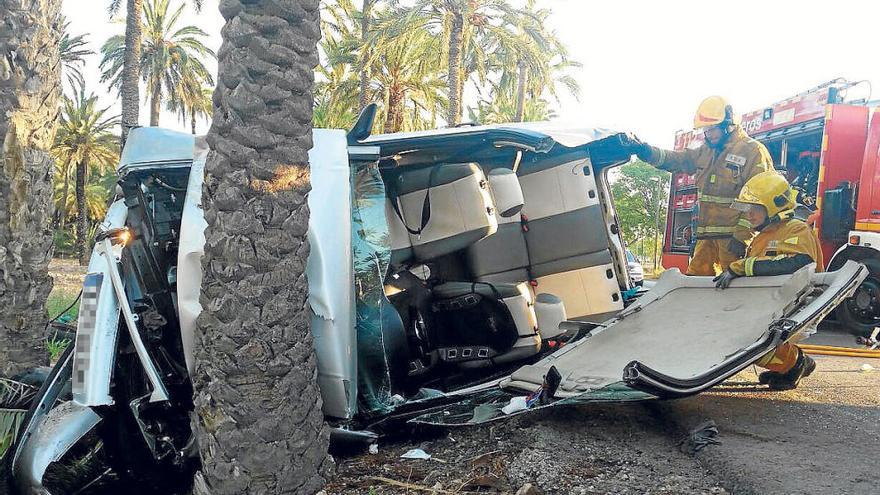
x: 15, y: 400
x: 15, y: 395
x: 170, y: 53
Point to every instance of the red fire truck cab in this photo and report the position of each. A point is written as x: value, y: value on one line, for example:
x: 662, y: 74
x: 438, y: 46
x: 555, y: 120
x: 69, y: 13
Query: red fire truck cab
x: 828, y: 148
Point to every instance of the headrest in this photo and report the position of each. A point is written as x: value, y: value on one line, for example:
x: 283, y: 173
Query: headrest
x: 507, y: 191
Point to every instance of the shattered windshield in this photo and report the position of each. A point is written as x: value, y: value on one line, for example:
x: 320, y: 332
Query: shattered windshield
x: 371, y: 250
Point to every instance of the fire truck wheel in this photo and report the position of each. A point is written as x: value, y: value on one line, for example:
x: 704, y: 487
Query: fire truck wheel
x: 861, y: 312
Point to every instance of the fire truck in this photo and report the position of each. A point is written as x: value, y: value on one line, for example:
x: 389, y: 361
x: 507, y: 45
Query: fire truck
x: 827, y: 143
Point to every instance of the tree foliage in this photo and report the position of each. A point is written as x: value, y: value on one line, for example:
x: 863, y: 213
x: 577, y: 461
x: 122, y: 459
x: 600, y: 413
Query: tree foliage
x: 170, y: 55
x: 85, y: 150
x: 641, y: 194
x: 411, y: 63
x: 73, y: 56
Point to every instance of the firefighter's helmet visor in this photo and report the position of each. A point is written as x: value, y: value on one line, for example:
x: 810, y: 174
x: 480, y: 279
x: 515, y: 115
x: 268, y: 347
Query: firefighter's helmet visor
x: 743, y: 207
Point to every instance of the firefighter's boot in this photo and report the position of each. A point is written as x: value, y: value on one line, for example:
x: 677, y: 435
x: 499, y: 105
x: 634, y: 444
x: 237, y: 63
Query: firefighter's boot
x: 803, y: 367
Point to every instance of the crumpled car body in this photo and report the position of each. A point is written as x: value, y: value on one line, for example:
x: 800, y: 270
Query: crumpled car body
x: 451, y: 273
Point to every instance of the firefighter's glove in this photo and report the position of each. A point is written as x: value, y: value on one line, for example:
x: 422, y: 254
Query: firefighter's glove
x: 640, y: 149
x: 723, y: 281
x: 737, y: 248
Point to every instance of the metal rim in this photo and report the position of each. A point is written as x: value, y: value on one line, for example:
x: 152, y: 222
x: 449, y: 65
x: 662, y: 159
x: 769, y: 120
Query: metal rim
x: 864, y: 305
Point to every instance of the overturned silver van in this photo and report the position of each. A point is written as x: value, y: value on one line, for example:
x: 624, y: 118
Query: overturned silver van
x: 451, y: 271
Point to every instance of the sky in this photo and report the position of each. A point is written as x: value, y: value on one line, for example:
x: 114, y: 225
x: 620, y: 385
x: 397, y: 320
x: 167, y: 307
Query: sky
x: 647, y: 64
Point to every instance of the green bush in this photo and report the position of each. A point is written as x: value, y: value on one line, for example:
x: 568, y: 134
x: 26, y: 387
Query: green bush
x: 65, y: 242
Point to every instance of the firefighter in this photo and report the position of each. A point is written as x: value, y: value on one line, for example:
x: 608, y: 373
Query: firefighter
x: 722, y: 165
x: 783, y: 245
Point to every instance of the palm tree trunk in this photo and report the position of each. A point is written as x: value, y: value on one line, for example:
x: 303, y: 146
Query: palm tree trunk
x: 192, y: 120
x: 258, y: 406
x: 155, y: 104
x: 30, y: 87
x: 82, y: 217
x: 456, y: 33
x: 130, y: 92
x: 521, y: 93
x: 60, y: 218
x: 365, y: 75
x: 394, y: 114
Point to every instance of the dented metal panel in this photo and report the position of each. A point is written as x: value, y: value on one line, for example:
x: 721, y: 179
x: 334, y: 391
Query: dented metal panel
x: 153, y: 146
x: 50, y: 431
x: 647, y: 353
x: 330, y: 274
x: 190, y: 250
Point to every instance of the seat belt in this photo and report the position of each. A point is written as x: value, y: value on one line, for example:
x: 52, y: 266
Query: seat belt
x: 426, y: 205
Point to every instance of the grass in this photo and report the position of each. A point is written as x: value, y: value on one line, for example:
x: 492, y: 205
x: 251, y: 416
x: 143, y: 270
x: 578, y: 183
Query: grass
x: 61, y: 298
x: 56, y: 347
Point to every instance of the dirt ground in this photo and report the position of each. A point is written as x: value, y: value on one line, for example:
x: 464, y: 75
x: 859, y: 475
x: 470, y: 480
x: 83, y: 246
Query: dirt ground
x: 67, y: 275
x: 823, y: 437
x: 576, y: 450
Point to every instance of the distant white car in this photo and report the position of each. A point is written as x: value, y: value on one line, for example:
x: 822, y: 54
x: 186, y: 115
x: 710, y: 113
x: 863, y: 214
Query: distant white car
x: 636, y: 272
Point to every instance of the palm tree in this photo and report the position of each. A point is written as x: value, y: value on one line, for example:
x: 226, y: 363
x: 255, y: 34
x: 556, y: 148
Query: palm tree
x: 129, y: 89
x: 466, y: 26
x: 169, y: 55
x: 404, y: 72
x: 503, y: 106
x: 536, y: 63
x: 336, y: 87
x: 97, y: 191
x: 260, y: 424
x: 340, y: 85
x: 85, y: 142
x: 31, y: 86
x: 366, y: 13
x: 73, y: 52
x: 191, y: 99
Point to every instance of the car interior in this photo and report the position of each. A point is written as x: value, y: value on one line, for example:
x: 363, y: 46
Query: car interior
x: 489, y: 257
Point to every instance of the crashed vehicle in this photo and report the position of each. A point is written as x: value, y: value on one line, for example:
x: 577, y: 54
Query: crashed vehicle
x: 452, y: 274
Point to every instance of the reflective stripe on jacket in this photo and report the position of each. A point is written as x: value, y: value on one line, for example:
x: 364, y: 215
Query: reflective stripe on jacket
x: 773, y: 250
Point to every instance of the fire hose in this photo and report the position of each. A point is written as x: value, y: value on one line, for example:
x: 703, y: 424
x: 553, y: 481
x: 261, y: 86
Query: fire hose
x: 827, y: 350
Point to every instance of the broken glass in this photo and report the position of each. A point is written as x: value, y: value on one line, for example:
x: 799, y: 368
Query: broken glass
x: 485, y: 406
x: 371, y: 250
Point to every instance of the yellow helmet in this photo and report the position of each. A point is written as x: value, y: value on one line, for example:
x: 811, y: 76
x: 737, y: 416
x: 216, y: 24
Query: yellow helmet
x: 712, y: 111
x: 768, y: 189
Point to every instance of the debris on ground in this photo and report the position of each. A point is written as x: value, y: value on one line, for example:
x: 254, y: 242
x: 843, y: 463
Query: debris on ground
x: 704, y: 434
x: 415, y: 454
x: 572, y: 451
x: 528, y: 489
x: 872, y: 342
x: 516, y: 404
x: 374, y: 448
